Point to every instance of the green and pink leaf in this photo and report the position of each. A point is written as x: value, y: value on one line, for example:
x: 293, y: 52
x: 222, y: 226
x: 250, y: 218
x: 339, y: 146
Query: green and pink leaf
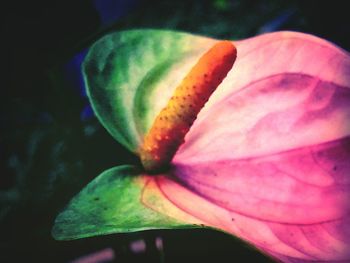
x: 119, y: 200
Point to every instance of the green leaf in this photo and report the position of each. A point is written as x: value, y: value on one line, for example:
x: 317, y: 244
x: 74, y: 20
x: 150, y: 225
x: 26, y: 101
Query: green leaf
x: 131, y: 75
x: 111, y: 203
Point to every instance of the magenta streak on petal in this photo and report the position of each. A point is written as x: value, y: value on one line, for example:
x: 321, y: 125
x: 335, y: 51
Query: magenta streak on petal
x: 287, y: 259
x: 279, y: 113
x: 257, y: 232
x: 303, y: 186
x: 280, y: 53
x: 313, y: 242
x: 339, y: 230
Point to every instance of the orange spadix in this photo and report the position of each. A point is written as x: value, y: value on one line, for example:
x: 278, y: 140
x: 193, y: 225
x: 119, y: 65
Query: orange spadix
x: 176, y: 118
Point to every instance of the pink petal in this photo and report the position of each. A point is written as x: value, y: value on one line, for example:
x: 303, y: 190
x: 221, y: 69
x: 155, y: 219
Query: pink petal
x: 302, y: 186
x: 272, y: 149
x: 318, y: 242
x: 273, y: 100
x: 283, y: 52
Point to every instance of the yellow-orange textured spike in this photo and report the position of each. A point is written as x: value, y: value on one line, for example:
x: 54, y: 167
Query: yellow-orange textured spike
x: 174, y: 121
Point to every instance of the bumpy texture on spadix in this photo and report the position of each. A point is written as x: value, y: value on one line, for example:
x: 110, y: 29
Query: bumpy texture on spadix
x: 174, y: 121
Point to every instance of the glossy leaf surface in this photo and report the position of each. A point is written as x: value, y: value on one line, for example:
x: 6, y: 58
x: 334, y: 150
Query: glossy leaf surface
x: 131, y: 75
x: 114, y: 203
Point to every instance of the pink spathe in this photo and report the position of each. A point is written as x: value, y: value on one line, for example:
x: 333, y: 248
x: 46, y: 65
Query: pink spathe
x: 268, y: 158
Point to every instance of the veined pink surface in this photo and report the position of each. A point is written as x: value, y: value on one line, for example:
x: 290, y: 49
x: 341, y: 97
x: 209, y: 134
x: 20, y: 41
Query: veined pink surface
x: 268, y: 158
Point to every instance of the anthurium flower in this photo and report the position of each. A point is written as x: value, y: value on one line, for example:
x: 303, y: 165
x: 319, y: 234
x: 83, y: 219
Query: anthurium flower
x: 266, y: 160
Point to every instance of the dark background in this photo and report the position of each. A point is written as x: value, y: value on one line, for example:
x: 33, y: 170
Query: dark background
x: 51, y: 145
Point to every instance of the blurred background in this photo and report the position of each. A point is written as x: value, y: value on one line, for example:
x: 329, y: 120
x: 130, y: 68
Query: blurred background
x: 51, y: 145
